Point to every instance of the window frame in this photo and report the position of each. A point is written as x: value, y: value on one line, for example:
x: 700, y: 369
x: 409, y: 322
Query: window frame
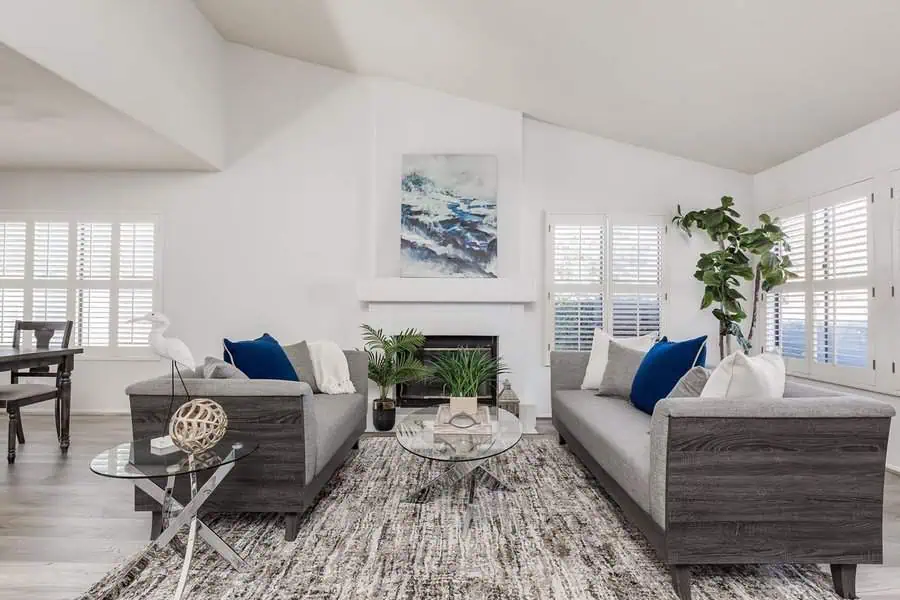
x: 607, y: 287
x: 860, y: 377
x: 29, y: 283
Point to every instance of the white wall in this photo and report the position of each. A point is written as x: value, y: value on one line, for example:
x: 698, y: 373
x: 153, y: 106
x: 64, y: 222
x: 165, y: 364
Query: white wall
x: 870, y: 152
x: 158, y: 62
x: 307, y: 208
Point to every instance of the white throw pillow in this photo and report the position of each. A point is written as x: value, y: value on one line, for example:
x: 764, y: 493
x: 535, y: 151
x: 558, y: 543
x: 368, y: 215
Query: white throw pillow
x: 593, y: 376
x: 742, y: 376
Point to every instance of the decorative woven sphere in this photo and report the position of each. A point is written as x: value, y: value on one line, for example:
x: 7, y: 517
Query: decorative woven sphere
x: 198, y: 425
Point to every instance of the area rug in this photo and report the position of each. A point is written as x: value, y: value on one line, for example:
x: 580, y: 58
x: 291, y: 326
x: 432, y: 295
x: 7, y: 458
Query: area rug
x: 558, y: 536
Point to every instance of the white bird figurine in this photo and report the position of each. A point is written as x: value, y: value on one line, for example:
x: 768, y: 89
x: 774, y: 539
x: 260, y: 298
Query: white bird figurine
x: 169, y: 348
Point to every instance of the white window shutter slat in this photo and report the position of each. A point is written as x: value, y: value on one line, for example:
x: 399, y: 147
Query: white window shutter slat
x: 840, y: 240
x: 133, y: 303
x: 794, y: 229
x: 575, y: 318
x: 635, y: 314
x: 636, y: 279
x: 578, y: 254
x: 12, y: 250
x: 841, y: 333
x: 12, y: 309
x: 786, y: 323
x: 51, y: 250
x: 93, y: 247
x: 92, y: 315
x: 136, y: 251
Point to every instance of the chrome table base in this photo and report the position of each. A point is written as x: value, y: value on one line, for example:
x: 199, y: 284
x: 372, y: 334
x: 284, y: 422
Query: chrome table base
x: 176, y: 516
x: 473, y: 473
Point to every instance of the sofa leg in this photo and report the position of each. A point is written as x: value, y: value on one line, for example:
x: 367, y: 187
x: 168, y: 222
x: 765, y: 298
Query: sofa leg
x: 291, y: 526
x: 356, y: 445
x: 844, y: 577
x: 681, y: 581
x: 562, y: 440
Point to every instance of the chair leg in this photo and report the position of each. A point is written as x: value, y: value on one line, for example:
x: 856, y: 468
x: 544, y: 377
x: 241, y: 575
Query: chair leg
x: 681, y: 581
x: 20, y: 431
x: 13, y: 429
x: 291, y: 526
x: 844, y: 578
x: 56, y: 410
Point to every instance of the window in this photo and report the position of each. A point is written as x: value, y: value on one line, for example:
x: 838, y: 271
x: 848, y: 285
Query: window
x: 100, y: 273
x: 820, y: 321
x: 602, y: 272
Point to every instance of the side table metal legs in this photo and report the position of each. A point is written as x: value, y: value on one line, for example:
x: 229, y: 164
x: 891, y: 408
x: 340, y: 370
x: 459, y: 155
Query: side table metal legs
x: 175, y: 516
x: 458, y: 472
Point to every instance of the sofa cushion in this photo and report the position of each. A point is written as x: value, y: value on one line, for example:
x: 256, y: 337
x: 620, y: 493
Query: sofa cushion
x: 616, y: 434
x: 336, y: 417
x: 622, y: 363
x: 214, y: 368
x: 691, y: 383
x: 593, y: 374
x: 662, y: 367
x: 262, y: 358
x: 742, y: 376
x: 300, y: 359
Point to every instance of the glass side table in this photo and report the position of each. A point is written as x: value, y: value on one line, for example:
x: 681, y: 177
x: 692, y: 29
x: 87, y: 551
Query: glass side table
x: 464, y: 455
x: 134, y: 461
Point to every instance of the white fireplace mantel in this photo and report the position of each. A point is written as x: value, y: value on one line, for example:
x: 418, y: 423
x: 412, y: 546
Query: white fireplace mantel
x: 447, y: 291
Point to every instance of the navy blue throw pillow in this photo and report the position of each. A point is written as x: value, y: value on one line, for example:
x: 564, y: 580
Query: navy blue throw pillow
x: 262, y: 358
x: 663, y: 365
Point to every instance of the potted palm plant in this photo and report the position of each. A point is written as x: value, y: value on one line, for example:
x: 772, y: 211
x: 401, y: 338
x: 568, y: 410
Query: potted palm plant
x: 392, y: 360
x: 463, y: 372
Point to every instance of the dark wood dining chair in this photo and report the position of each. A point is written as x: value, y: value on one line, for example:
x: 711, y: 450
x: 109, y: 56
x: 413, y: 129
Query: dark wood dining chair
x: 16, y: 395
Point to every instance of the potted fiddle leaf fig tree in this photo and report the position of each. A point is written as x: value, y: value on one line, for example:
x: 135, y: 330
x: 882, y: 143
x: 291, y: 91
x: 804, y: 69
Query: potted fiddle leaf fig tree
x: 462, y: 372
x: 759, y: 255
x: 392, y: 360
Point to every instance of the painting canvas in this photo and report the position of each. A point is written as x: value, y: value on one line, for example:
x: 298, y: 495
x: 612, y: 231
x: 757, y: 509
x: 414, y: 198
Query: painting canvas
x: 448, y: 216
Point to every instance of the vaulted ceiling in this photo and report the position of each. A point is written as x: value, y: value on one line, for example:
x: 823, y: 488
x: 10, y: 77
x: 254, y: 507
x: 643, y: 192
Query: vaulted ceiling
x: 743, y: 84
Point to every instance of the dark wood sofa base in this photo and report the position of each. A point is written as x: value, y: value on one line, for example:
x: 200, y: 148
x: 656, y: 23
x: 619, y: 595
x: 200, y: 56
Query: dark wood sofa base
x: 304, y: 501
x: 673, y: 548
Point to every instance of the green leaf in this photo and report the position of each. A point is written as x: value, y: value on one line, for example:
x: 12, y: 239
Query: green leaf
x: 707, y: 300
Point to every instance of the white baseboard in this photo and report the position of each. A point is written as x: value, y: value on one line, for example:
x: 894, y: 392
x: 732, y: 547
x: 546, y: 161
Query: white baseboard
x: 893, y: 469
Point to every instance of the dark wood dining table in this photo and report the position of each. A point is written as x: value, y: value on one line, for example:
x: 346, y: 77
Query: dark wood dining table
x: 19, y: 359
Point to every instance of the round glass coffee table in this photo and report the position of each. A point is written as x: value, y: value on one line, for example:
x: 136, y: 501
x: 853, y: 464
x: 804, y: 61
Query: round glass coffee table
x: 136, y: 462
x: 464, y: 453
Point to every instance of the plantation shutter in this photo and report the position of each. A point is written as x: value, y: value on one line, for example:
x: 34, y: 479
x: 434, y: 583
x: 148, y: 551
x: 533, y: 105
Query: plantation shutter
x: 840, y: 292
x: 136, y: 256
x: 12, y: 278
x: 577, y: 282
x: 134, y: 303
x: 786, y: 323
x: 51, y: 250
x: 636, y: 278
x: 93, y: 274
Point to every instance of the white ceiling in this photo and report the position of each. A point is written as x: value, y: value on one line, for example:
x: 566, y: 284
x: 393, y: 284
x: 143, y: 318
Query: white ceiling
x: 46, y: 122
x: 744, y: 84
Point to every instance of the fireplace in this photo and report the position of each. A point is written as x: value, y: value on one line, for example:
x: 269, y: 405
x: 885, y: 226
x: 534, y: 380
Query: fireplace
x: 428, y: 393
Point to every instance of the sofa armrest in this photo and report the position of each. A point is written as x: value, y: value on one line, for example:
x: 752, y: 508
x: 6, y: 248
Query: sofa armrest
x: 162, y: 386
x: 766, y: 480
x: 567, y: 370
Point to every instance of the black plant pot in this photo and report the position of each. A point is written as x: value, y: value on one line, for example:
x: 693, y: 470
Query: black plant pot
x: 384, y: 415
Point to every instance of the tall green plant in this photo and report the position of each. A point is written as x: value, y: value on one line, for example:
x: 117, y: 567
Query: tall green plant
x: 742, y: 254
x: 392, y: 359
x: 462, y: 372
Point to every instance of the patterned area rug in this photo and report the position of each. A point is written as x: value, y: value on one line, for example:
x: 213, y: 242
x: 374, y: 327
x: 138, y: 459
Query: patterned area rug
x: 557, y: 537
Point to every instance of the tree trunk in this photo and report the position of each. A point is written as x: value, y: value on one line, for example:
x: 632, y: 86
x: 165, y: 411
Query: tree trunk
x: 755, y: 310
x: 721, y: 346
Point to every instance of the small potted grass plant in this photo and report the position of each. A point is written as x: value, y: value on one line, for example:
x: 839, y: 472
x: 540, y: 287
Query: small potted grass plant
x: 463, y: 372
x: 392, y: 360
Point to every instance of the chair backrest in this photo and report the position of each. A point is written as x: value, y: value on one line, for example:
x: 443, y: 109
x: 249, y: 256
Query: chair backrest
x: 44, y: 331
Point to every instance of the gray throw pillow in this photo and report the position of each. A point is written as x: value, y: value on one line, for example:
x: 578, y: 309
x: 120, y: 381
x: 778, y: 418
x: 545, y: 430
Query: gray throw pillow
x: 298, y: 354
x: 691, y: 383
x: 216, y: 368
x: 621, y: 365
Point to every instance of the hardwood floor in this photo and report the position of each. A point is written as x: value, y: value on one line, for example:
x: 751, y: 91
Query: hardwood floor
x: 62, y: 527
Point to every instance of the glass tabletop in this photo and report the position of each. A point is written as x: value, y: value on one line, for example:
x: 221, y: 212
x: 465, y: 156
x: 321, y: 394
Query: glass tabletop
x: 134, y: 460
x: 416, y: 434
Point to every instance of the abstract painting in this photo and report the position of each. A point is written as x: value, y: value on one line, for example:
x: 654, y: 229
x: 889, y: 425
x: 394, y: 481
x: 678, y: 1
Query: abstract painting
x: 448, y: 222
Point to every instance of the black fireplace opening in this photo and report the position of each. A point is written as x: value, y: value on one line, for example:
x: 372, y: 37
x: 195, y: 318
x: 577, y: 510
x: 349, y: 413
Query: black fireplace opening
x: 431, y: 393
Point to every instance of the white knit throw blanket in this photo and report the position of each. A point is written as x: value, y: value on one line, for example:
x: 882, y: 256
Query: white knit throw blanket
x: 330, y: 368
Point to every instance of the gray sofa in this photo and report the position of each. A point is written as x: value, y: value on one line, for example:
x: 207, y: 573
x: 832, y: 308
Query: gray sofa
x: 798, y: 479
x: 303, y: 438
